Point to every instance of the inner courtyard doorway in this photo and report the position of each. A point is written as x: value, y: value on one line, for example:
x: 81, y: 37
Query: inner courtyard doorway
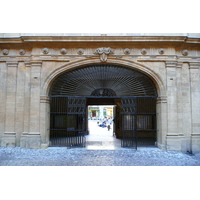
x: 131, y: 93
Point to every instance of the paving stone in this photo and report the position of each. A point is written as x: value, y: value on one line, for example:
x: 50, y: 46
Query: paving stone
x: 16, y: 156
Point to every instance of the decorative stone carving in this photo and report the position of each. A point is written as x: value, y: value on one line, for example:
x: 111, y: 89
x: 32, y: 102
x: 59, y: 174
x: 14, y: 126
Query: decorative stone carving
x: 127, y: 51
x: 63, y: 51
x: 22, y: 51
x: 185, y: 52
x: 45, y: 51
x: 80, y: 51
x: 5, y: 52
x: 103, y: 52
x: 161, y: 51
x: 143, y: 51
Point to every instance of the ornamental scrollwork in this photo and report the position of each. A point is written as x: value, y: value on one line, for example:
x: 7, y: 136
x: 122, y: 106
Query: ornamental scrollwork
x: 103, y: 52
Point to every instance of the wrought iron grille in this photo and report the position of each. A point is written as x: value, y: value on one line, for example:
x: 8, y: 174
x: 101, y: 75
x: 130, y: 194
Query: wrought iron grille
x: 114, y: 80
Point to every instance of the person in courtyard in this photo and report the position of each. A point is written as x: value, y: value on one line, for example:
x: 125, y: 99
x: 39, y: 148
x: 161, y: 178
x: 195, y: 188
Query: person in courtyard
x: 103, y: 125
x: 108, y: 127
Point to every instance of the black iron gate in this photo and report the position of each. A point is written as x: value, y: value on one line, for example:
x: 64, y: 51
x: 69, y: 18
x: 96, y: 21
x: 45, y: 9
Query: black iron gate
x: 68, y: 115
x: 138, y: 116
x: 129, y: 126
x: 146, y: 121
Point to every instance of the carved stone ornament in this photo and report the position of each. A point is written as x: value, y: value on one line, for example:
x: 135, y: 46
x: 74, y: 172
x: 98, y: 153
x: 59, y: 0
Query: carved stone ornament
x: 45, y: 51
x: 185, y: 52
x: 103, y: 52
x: 5, y: 52
x: 63, y: 51
x: 143, y: 51
x: 161, y: 51
x: 127, y: 51
x: 22, y: 51
x: 80, y: 51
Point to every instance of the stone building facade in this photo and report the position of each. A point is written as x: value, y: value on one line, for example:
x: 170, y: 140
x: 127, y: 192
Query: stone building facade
x: 29, y: 64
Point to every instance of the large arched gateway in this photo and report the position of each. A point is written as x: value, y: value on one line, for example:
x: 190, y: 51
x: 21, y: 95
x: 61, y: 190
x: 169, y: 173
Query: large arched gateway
x: 152, y: 81
x: 132, y: 92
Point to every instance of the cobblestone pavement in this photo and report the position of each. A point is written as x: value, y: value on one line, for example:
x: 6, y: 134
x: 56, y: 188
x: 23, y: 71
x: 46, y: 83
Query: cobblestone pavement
x: 55, y: 156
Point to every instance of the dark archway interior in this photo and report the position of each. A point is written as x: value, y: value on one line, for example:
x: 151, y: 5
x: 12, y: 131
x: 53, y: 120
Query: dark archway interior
x: 103, y: 80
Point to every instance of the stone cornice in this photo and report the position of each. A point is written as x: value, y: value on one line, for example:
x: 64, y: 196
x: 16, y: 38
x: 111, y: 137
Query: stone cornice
x: 25, y: 39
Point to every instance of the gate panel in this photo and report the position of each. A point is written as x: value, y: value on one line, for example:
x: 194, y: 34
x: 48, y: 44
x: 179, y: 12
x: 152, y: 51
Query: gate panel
x: 68, y: 121
x: 146, y: 121
x: 129, y: 126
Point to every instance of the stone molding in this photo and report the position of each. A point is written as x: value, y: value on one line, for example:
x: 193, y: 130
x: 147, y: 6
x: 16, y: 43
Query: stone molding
x: 12, y: 64
x: 90, y: 38
x: 27, y: 64
x: 161, y: 99
x: 44, y: 99
x: 194, y: 65
x: 171, y: 64
x: 35, y: 63
x: 10, y: 133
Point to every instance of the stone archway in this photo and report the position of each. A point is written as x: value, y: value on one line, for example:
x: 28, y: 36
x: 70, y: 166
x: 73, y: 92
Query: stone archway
x: 161, y: 103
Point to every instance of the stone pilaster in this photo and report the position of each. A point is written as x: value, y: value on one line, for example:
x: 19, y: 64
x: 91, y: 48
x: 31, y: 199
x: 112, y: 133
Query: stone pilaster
x: 20, y: 94
x: 34, y: 138
x: 27, y: 97
x: 172, y: 115
x: 9, y: 137
x: 186, y: 104
x: 3, y: 80
x: 175, y: 140
x: 161, y: 110
x: 195, y: 102
x: 44, y: 120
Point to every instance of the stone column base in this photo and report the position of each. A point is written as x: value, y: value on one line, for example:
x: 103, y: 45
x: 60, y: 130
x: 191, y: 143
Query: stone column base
x: 176, y: 143
x: 31, y: 140
x: 195, y: 143
x: 8, y: 139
